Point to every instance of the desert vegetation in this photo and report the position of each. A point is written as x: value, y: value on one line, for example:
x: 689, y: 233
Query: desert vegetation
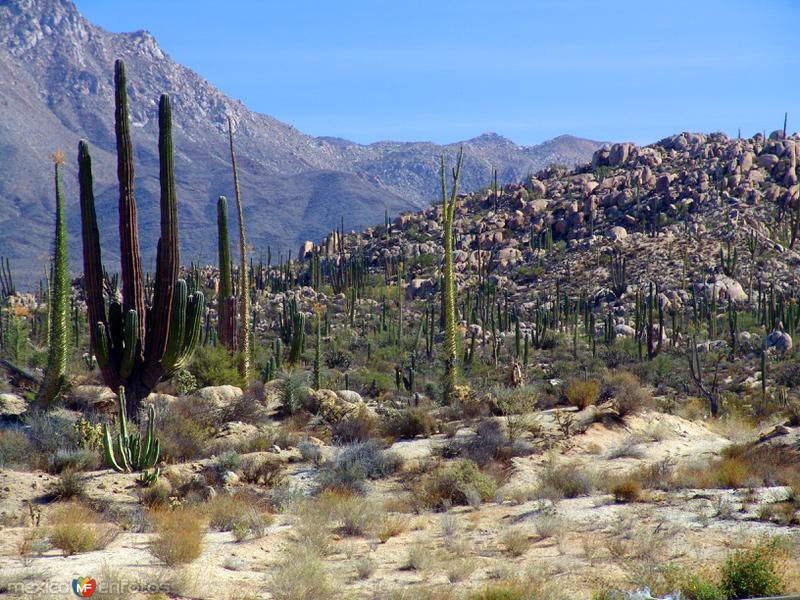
x: 582, y: 385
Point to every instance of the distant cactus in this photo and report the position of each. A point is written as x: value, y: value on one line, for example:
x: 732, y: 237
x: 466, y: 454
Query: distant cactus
x: 137, y: 345
x: 56, y: 370
x: 226, y: 323
x: 244, y: 283
x: 449, y: 287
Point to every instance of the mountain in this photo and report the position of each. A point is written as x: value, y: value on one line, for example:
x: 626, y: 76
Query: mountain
x: 56, y: 87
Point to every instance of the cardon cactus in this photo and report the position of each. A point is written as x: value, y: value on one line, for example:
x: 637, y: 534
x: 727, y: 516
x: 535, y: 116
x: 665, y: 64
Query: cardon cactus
x: 136, y: 453
x: 141, y: 340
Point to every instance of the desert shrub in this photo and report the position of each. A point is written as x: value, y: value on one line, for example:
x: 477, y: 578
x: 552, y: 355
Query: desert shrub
x: 730, y: 472
x: 786, y: 373
x: 229, y: 460
x: 564, y: 481
x: 365, y: 568
x: 183, y: 433
x: 628, y: 394
x: 503, y: 590
x: 157, y: 494
x: 263, y: 470
x: 695, y: 587
x: 310, y: 451
x: 69, y: 485
x: 74, y: 459
x: 627, y: 490
x: 47, y: 434
x: 301, y: 576
x: 515, y: 541
x: 356, y: 516
x: 752, y: 573
x: 185, y: 383
x: 489, y: 443
x: 418, y: 558
x: 15, y: 448
x: 179, y: 536
x: 215, y: 365
x: 355, y: 464
x: 247, y: 408
x: 237, y: 513
x: 75, y: 528
x: 460, y: 570
x: 548, y: 525
x: 408, y: 423
x: 793, y: 413
x: 391, y: 526
x: 357, y: 426
x: 458, y: 483
x: 294, y: 390
x: 581, y: 392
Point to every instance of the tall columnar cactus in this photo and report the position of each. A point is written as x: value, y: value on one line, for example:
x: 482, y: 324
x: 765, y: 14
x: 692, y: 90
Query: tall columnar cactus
x: 137, y: 345
x: 244, y: 284
x: 136, y: 453
x: 225, y: 320
x: 449, y: 287
x: 56, y: 370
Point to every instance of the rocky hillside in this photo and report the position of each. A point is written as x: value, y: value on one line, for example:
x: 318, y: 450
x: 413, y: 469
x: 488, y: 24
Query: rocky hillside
x: 56, y: 73
x: 693, y: 212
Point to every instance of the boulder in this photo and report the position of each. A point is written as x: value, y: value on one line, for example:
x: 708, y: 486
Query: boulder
x: 219, y: 396
x: 779, y: 340
x: 617, y: 234
x: 93, y: 395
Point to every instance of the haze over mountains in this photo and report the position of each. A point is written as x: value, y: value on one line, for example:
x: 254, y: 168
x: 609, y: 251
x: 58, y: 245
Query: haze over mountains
x: 56, y: 87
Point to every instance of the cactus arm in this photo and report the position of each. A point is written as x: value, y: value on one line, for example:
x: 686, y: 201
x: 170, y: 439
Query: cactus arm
x: 168, y: 255
x: 225, y: 281
x: 194, y: 318
x: 177, y: 327
x: 133, y: 293
x: 108, y: 449
x: 129, y: 347
x: 101, y: 346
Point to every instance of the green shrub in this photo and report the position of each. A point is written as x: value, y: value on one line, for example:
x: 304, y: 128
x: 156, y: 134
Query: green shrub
x: 698, y: 588
x: 752, y: 573
x: 458, y: 483
x: 581, y: 392
x: 215, y: 365
x: 408, y: 423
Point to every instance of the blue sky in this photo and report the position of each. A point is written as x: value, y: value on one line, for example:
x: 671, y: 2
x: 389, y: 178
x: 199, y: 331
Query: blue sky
x: 370, y: 70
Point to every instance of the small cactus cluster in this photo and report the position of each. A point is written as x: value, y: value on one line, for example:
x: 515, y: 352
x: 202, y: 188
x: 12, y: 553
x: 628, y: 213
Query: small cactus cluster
x: 136, y: 453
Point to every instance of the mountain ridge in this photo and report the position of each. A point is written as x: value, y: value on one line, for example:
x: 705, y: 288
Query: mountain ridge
x: 56, y: 87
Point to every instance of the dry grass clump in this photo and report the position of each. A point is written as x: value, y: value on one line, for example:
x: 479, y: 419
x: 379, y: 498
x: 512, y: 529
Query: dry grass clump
x: 515, y: 541
x: 627, y: 490
x: 565, y: 480
x: 263, y: 470
x: 391, y: 526
x: 581, y: 392
x: 184, y: 430
x: 179, y: 535
x: 354, y: 464
x: 460, y: 570
x: 238, y: 513
x: 458, y: 483
x: 302, y: 575
x: 628, y: 394
x: 356, y: 516
x: 75, y: 528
